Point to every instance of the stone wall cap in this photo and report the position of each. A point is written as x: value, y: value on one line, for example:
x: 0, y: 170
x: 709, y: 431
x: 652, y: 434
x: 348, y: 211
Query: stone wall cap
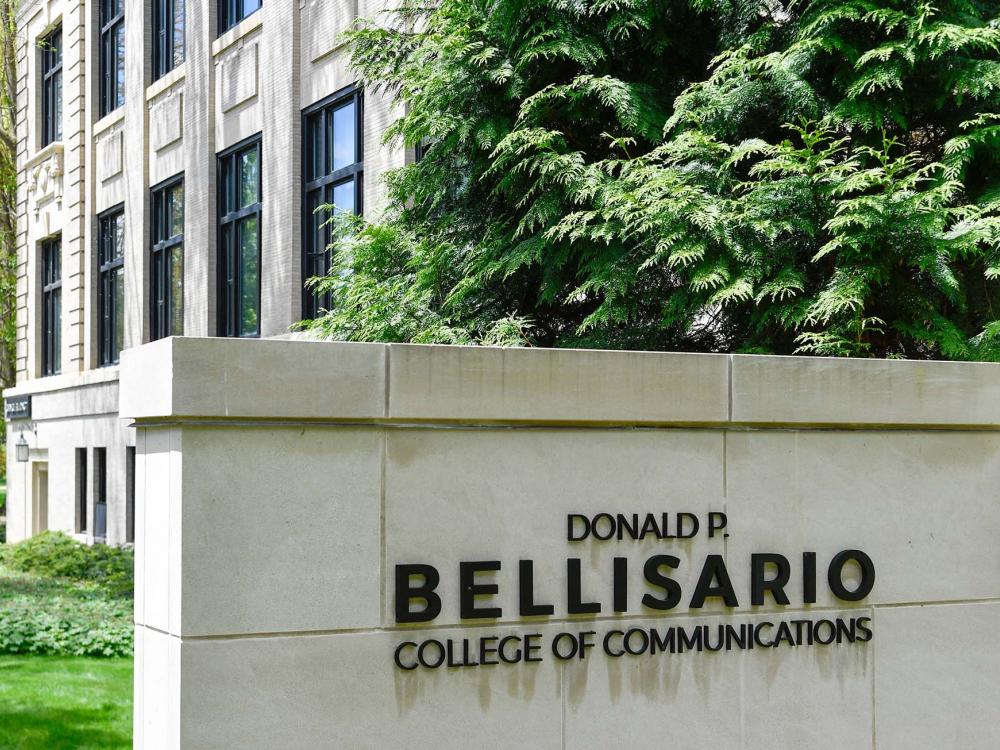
x: 286, y: 379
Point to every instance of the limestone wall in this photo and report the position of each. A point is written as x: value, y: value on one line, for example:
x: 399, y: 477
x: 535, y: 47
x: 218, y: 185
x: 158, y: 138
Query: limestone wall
x: 281, y: 483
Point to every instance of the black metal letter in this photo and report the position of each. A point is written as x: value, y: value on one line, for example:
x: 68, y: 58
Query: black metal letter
x: 573, y: 594
x: 651, y: 571
x: 405, y: 593
x: 759, y: 584
x: 809, y: 577
x: 715, y: 568
x: 836, y: 570
x: 470, y: 589
x: 526, y: 591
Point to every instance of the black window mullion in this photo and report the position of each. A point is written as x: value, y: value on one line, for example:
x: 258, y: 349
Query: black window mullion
x: 51, y: 82
x: 164, y: 49
x: 111, y: 263
x: 51, y: 305
x: 319, y: 139
x: 234, y: 219
x: 231, y: 12
x: 110, y: 26
x: 164, y: 206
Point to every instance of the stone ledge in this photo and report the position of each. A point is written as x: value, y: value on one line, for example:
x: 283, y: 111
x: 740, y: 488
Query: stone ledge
x: 282, y: 379
x: 829, y: 391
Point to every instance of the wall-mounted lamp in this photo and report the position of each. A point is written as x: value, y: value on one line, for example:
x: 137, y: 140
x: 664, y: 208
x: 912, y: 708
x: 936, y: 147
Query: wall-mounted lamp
x: 21, y: 449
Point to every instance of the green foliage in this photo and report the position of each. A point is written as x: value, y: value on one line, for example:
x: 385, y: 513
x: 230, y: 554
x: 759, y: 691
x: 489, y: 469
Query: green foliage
x: 41, y: 615
x: 58, y: 596
x: 53, y: 554
x: 67, y: 626
x: 816, y: 177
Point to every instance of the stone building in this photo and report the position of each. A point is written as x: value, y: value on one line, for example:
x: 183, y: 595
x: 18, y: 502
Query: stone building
x: 171, y: 154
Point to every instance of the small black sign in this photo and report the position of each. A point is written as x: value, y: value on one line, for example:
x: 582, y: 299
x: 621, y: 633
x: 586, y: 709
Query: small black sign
x: 17, y: 407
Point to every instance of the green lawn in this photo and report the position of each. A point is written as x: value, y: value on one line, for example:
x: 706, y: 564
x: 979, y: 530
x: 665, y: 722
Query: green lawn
x: 65, y: 703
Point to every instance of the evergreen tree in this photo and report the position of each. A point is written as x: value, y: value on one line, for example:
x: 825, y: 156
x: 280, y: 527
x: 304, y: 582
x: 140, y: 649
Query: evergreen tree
x: 817, y: 177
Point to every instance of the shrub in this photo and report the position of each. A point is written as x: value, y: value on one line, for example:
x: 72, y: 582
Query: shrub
x: 66, y: 625
x: 55, y: 555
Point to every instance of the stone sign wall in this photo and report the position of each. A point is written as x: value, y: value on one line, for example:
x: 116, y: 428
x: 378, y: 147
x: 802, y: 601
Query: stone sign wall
x: 386, y: 546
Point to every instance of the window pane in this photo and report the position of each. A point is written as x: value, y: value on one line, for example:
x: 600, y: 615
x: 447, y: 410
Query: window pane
x: 57, y: 107
x: 343, y: 197
x: 316, y: 136
x: 119, y: 302
x: 177, y: 291
x: 248, y: 177
x: 56, y: 330
x: 249, y: 6
x: 249, y: 277
x: 343, y: 137
x: 175, y: 216
x: 119, y: 33
x: 316, y: 220
x: 178, y: 31
x: 118, y: 238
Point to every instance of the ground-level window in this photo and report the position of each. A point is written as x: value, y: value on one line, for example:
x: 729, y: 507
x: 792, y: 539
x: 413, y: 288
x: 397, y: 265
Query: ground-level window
x: 81, y: 490
x: 167, y: 261
x: 112, y: 55
x: 100, y: 494
x: 332, y: 172
x: 231, y: 12
x: 51, y: 48
x: 239, y: 239
x: 52, y: 306
x: 130, y: 494
x: 168, y: 36
x: 111, y: 286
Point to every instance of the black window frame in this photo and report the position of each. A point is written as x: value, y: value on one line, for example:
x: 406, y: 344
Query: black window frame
x: 161, y: 302
x: 231, y: 12
x: 51, y: 49
x: 107, y: 302
x: 112, y: 94
x: 130, y: 494
x: 230, y: 217
x: 100, y: 495
x: 316, y: 256
x: 82, y: 491
x: 164, y: 41
x: 51, y: 249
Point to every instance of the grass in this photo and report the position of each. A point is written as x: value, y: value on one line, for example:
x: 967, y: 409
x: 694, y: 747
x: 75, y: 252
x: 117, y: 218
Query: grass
x: 65, y: 703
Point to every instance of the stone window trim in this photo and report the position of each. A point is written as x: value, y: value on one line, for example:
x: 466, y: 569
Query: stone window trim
x: 323, y: 175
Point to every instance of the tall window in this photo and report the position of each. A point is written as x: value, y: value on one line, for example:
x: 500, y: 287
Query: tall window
x: 112, y: 55
x: 239, y: 240
x: 111, y: 285
x: 231, y: 12
x: 130, y: 493
x: 51, y: 306
x: 81, y: 490
x: 332, y: 173
x: 168, y: 36
x: 167, y: 266
x: 100, y: 494
x: 52, y: 87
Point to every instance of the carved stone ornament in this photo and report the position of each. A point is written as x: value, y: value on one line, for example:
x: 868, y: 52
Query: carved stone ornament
x: 45, y: 179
